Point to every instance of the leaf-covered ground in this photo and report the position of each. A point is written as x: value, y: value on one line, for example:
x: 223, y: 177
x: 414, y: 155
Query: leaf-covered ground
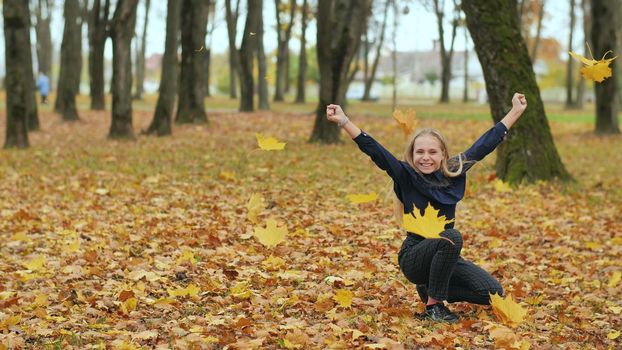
x: 111, y: 244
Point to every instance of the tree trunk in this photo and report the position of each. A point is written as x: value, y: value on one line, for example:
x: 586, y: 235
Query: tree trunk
x: 31, y: 100
x: 140, y: 57
x: 605, y: 20
x: 161, y: 123
x: 302, y: 57
x: 208, y: 47
x: 587, y: 30
x: 369, y: 81
x: 339, y: 28
x: 122, y: 31
x: 394, y: 55
x: 70, y: 63
x: 234, y: 59
x: 191, y: 105
x: 529, y: 153
x: 446, y: 56
x: 18, y: 87
x: 247, y: 52
x: 465, y: 91
x: 569, y: 65
x: 284, y: 31
x: 98, y: 32
x: 43, y: 14
x: 208, y: 61
x: 261, y: 62
x: 536, y: 42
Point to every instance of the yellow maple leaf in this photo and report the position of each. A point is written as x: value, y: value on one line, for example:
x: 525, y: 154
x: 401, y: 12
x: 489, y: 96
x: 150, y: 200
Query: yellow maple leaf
x: 428, y: 225
x: 272, y: 234
x: 362, y: 198
x: 188, y: 255
x: 273, y: 263
x: 595, y: 70
x: 343, y: 297
x: 613, y: 335
x: 505, y: 338
x: 35, y: 264
x: 129, y: 305
x: 255, y: 206
x: 406, y: 120
x: 615, y: 278
x: 501, y: 186
x: 269, y: 143
x: 191, y: 290
x: 507, y: 310
x: 240, y: 290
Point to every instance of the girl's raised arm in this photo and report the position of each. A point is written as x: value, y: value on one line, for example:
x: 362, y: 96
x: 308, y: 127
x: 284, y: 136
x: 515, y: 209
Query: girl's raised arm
x: 335, y: 114
x: 519, y: 104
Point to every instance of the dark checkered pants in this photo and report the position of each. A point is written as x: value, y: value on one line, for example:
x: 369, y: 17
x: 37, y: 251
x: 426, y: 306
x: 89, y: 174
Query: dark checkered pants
x: 438, y: 270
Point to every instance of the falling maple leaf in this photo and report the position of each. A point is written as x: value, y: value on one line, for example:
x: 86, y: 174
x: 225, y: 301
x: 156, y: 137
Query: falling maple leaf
x: 343, y: 297
x: 362, y: 198
x: 272, y: 234
x: 269, y: 143
x: 406, y: 120
x: 255, y: 206
x: 595, y: 70
x: 507, y: 310
x: 428, y: 225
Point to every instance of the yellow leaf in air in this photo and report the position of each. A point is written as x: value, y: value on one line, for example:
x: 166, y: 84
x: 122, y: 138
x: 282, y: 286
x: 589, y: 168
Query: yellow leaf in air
x: 406, y: 120
x: 428, y: 225
x: 507, y: 310
x: 595, y: 70
x: 613, y: 335
x: 615, y: 278
x: 35, y: 264
x: 343, y: 297
x: 272, y: 234
x: 269, y: 143
x: 255, y: 206
x: 501, y: 186
x: 362, y: 198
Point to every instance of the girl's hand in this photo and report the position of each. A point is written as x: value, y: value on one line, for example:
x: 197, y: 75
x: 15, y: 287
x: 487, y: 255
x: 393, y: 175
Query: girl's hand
x: 519, y: 103
x: 335, y: 114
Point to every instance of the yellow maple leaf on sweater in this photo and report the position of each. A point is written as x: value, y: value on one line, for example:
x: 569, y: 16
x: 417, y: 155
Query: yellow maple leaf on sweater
x: 428, y: 225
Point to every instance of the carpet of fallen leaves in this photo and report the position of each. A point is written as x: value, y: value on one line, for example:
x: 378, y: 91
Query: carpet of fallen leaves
x: 147, y: 243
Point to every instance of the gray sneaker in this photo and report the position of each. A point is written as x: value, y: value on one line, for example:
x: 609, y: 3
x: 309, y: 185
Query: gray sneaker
x: 439, y: 312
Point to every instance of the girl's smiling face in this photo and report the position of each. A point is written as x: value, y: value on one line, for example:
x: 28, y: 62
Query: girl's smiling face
x: 427, y: 154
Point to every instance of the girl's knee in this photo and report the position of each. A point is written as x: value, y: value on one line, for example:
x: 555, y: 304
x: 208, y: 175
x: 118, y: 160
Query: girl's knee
x: 454, y: 236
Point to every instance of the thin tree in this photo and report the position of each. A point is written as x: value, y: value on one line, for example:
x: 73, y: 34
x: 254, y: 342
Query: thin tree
x: 211, y: 27
x: 43, y: 16
x: 536, y: 42
x: 605, y: 22
x: 161, y: 123
x: 122, y: 31
x: 18, y: 87
x: 339, y: 29
x: 140, y: 56
x: 302, y: 57
x: 191, y: 104
x: 246, y: 54
x: 438, y: 7
x: 371, y: 76
x: 394, y: 55
x: 587, y: 29
x: 99, y: 25
x: 70, y: 62
x: 465, y: 91
x: 529, y: 153
x: 569, y: 65
x: 284, y: 33
x: 32, y: 112
x: 234, y: 59
x: 262, y: 89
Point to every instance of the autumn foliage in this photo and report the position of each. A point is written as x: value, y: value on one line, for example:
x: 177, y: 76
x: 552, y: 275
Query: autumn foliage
x: 170, y: 242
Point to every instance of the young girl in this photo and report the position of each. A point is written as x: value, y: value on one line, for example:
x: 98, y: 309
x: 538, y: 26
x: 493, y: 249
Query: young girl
x: 429, y: 176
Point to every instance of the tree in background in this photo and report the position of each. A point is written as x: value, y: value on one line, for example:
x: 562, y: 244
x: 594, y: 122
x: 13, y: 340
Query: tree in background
x: 98, y: 32
x: 161, y: 123
x: 529, y: 153
x: 191, y: 105
x: 262, y: 78
x: 284, y: 25
x: 605, y: 29
x: 43, y: 17
x: 531, y: 14
x: 570, y: 72
x: 122, y: 30
x: 211, y: 27
x: 302, y: 58
x: 587, y: 29
x: 70, y: 62
x: 339, y: 29
x: 140, y: 56
x: 438, y: 7
x: 18, y: 82
x: 246, y: 54
x: 369, y: 73
x: 234, y: 58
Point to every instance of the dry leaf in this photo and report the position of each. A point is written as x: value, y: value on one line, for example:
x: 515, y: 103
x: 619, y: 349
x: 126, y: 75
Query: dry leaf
x: 507, y: 310
x: 269, y: 143
x: 272, y: 235
x: 407, y: 120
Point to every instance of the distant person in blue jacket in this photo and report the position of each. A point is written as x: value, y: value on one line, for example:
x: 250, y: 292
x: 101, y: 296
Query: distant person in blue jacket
x: 43, y: 85
x: 428, y: 176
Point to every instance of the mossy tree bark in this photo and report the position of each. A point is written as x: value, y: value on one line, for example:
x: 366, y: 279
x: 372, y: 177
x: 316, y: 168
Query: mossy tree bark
x: 529, y: 153
x: 247, y: 54
x: 605, y: 22
x: 161, y: 123
x: 70, y: 62
x: 122, y: 31
x: 17, y: 41
x: 339, y: 29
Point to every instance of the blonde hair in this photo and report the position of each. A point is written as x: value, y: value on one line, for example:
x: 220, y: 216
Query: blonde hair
x: 398, y: 206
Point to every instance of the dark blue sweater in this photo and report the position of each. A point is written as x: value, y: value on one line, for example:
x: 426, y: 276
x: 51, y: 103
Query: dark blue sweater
x: 412, y: 187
